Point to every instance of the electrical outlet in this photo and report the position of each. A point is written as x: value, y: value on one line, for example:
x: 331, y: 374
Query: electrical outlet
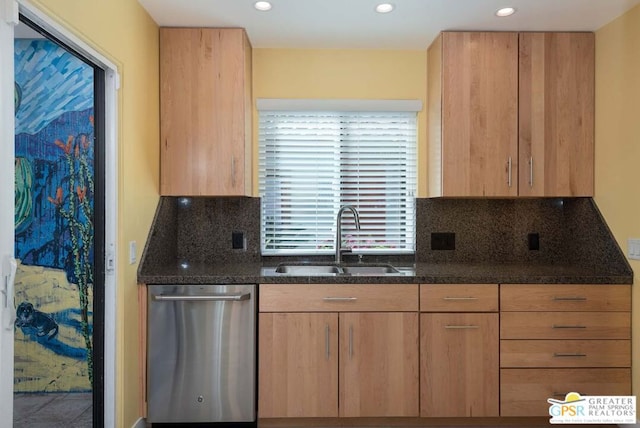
x: 633, y: 248
x: 238, y: 241
x: 443, y: 241
x: 133, y: 252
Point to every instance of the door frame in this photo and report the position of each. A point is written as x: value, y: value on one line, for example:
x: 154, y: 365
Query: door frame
x: 111, y: 86
x: 8, y: 19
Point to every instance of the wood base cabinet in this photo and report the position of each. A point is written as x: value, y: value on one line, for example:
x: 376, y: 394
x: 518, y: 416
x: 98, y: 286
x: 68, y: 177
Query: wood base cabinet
x: 459, y: 372
x: 459, y: 347
x: 556, y: 339
x: 392, y: 351
x: 378, y: 364
x: 348, y: 358
x: 298, y: 365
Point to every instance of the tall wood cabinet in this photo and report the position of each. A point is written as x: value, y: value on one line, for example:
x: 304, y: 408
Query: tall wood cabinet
x: 205, y: 112
x: 511, y: 114
x: 338, y: 350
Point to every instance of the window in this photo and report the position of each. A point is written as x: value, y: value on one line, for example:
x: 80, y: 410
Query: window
x: 313, y: 162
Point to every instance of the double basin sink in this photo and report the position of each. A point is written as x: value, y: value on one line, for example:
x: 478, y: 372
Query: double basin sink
x: 332, y: 269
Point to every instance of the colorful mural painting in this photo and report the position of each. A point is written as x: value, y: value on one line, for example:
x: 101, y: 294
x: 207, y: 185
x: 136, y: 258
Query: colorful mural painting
x: 54, y: 219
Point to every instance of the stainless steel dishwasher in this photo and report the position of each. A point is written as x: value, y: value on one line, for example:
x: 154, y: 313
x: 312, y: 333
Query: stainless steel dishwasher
x: 201, y: 353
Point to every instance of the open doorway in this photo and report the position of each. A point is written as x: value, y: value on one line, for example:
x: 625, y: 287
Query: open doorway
x: 59, y: 233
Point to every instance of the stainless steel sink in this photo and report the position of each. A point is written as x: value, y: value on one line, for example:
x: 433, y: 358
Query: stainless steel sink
x: 309, y: 269
x: 360, y: 269
x: 370, y: 269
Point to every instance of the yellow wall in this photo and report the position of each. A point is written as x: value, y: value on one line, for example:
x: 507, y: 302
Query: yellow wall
x: 618, y: 142
x: 124, y: 33
x: 367, y: 74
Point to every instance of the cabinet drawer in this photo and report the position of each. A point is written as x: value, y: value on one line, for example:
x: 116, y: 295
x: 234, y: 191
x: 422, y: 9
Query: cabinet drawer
x: 565, y: 297
x: 459, y: 297
x: 565, y: 353
x: 338, y: 298
x: 524, y: 392
x: 565, y: 325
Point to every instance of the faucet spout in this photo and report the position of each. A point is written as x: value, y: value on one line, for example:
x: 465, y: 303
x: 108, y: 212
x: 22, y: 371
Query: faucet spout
x: 356, y: 218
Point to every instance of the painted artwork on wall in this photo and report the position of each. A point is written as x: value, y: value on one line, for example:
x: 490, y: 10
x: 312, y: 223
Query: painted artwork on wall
x: 54, y: 232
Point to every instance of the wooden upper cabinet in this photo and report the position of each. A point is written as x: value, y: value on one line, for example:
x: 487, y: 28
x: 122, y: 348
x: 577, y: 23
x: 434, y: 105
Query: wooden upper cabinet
x: 205, y: 112
x: 511, y: 114
x: 474, y: 143
x: 556, y: 109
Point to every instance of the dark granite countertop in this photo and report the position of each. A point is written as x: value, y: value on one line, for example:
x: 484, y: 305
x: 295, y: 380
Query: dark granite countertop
x: 419, y: 273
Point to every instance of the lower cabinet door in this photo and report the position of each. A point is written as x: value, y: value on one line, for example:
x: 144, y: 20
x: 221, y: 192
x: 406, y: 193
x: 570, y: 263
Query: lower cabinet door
x: 459, y: 364
x: 298, y: 365
x: 379, y: 364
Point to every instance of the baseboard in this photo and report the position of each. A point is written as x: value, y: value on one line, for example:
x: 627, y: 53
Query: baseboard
x: 140, y: 423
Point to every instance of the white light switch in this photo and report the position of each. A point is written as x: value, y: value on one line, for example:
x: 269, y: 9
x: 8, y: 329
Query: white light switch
x: 633, y: 248
x: 132, y: 252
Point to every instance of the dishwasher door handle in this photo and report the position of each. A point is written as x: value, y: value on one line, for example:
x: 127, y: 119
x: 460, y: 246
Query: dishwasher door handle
x: 204, y: 298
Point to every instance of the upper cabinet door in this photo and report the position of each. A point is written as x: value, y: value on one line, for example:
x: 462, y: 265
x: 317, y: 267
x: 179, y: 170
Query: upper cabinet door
x: 205, y: 112
x: 479, y: 114
x: 556, y: 108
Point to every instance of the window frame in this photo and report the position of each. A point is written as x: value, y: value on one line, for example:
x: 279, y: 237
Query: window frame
x: 357, y: 109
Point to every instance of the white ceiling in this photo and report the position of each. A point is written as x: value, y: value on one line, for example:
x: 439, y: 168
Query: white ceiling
x: 353, y: 24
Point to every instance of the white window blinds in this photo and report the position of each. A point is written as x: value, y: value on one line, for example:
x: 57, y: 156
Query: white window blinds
x: 311, y: 163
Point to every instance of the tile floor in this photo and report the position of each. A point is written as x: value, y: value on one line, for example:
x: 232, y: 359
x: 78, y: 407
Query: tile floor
x: 51, y: 410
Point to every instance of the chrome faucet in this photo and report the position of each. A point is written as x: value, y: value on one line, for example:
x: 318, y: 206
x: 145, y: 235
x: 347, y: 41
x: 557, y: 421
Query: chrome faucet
x: 356, y: 217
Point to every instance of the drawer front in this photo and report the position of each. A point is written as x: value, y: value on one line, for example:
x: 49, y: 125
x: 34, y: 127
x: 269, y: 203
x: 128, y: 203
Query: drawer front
x: 565, y: 297
x: 565, y: 325
x: 459, y: 297
x: 338, y: 298
x: 565, y: 353
x: 524, y: 392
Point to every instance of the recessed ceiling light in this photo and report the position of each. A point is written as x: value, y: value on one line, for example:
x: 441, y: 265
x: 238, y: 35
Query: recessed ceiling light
x: 384, y: 8
x: 262, y: 5
x: 505, y: 11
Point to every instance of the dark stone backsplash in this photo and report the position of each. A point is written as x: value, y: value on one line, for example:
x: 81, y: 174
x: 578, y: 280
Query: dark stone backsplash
x: 589, y: 241
x: 205, y: 227
x: 162, y: 243
x: 199, y: 230
x: 490, y: 230
x: 571, y: 232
